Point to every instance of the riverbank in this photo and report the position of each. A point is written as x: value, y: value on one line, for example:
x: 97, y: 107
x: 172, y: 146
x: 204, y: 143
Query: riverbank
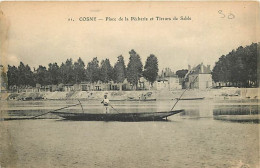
x: 238, y: 118
x: 223, y: 93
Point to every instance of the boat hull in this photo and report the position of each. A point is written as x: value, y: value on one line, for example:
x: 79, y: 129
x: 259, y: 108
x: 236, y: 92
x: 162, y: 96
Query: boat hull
x: 133, y: 100
x: 155, y: 116
x: 197, y: 98
x: 141, y: 100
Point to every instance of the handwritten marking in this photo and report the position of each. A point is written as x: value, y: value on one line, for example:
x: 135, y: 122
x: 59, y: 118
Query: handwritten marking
x: 223, y: 15
x: 229, y: 16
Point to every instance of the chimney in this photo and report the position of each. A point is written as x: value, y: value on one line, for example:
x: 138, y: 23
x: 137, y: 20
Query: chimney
x: 189, y: 68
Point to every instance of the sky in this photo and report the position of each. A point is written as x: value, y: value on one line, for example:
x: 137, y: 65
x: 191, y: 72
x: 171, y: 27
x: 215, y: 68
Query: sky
x: 38, y: 33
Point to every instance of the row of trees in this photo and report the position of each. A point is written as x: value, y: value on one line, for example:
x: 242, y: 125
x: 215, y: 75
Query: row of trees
x: 238, y: 68
x: 77, y: 72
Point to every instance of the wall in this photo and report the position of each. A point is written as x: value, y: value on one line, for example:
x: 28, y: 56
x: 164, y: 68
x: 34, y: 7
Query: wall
x: 174, y: 83
x: 205, y: 81
x: 162, y: 85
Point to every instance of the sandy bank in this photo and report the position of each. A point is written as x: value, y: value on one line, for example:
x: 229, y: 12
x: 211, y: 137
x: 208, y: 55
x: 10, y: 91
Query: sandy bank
x: 224, y: 93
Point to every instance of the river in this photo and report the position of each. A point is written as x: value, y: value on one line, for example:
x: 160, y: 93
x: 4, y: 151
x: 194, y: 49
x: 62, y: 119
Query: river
x: 190, y: 139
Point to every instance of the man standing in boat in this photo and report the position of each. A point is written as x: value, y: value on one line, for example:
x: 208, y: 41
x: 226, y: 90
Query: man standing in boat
x: 105, y: 102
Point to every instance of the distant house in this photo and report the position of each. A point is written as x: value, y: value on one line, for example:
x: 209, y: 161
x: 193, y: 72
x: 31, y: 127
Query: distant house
x: 162, y: 84
x: 60, y: 87
x: 143, y: 84
x: 114, y: 86
x: 100, y: 86
x: 68, y: 87
x: 96, y: 86
x: 54, y: 88
x: 199, y: 77
x: 85, y: 86
x: 168, y: 80
x: 126, y: 85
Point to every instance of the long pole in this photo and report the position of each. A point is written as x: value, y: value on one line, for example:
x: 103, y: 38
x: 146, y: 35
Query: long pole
x: 55, y: 110
x: 182, y: 94
x: 114, y: 108
x: 81, y: 106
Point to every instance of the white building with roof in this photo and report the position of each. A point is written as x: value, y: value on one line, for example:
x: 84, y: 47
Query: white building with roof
x: 199, y: 77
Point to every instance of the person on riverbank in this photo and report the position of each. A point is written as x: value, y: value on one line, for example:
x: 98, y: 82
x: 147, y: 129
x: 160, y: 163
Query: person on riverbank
x: 105, y: 102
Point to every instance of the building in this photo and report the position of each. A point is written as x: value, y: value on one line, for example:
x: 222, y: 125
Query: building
x: 99, y: 86
x: 162, y: 84
x: 174, y: 82
x: 199, y: 77
x: 143, y: 84
x: 168, y: 80
x: 168, y: 83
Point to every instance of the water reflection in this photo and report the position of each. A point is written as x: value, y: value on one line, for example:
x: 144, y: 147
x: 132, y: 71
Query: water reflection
x: 190, y: 139
x: 193, y: 109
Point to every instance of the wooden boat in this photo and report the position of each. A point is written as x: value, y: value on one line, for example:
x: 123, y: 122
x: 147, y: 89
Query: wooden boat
x: 196, y: 98
x: 132, y: 100
x: 141, y: 100
x: 147, y: 116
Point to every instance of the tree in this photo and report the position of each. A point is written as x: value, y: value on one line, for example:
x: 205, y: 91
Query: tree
x: 21, y: 74
x: 92, y: 70
x: 134, y: 68
x: 41, y: 76
x: 251, y: 63
x: 151, y: 68
x: 106, y: 71
x: 3, y: 78
x: 53, y: 73
x: 12, y: 76
x: 25, y: 75
x: 181, y: 73
x: 238, y: 67
x: 62, y: 72
x: 120, y: 70
x: 79, y: 71
x: 66, y: 72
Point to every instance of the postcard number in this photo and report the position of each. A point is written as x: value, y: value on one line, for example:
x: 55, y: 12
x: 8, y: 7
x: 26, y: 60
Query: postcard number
x: 229, y: 15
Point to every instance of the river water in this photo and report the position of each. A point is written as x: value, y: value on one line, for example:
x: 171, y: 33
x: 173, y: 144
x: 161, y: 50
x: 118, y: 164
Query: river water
x: 190, y: 139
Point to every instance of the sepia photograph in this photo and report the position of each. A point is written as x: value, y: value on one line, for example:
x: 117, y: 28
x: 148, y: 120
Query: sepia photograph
x: 120, y: 84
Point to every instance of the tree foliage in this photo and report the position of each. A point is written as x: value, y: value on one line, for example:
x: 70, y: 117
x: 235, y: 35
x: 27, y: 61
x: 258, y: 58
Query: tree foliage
x: 181, y: 73
x: 3, y: 77
x: 66, y: 72
x: 12, y: 76
x: 238, y: 67
x: 120, y: 70
x: 93, y: 70
x: 79, y: 71
x: 41, y: 76
x: 70, y: 72
x: 106, y: 71
x: 25, y: 76
x: 151, y: 68
x: 134, y: 68
x: 54, y: 73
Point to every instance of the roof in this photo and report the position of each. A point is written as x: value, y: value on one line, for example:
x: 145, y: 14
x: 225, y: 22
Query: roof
x: 200, y: 69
